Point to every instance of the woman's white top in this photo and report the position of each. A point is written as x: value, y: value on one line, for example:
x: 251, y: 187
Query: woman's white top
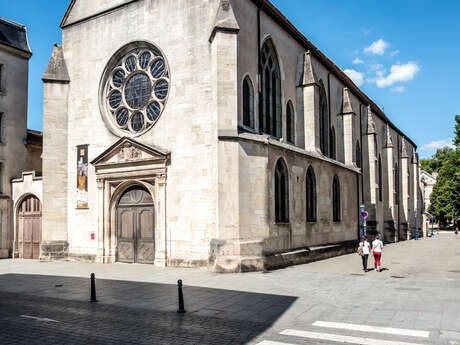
x: 366, y: 247
x: 377, y: 246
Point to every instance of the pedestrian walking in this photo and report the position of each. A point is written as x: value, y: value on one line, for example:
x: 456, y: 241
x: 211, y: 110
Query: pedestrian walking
x: 377, y: 247
x: 363, y: 251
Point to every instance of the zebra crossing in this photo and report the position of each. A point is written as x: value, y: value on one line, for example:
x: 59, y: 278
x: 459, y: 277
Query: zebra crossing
x: 367, y: 335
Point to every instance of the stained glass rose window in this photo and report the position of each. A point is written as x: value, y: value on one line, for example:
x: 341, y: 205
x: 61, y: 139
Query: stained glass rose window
x: 134, y: 88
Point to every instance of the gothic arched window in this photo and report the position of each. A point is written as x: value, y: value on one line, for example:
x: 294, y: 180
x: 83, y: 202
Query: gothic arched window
x: 336, y: 199
x: 281, y: 192
x: 270, y: 102
x: 380, y: 179
x: 248, y: 103
x: 332, y: 144
x: 358, y: 155
x: 311, y: 195
x: 290, y: 124
x: 323, y: 123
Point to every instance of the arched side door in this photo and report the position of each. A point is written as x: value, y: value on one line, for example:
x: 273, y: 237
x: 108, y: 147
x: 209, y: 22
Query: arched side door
x: 29, y: 227
x: 135, y: 226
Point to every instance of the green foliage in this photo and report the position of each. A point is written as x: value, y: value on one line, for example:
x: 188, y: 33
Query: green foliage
x: 433, y: 164
x: 445, y: 198
x: 457, y: 131
x: 426, y: 165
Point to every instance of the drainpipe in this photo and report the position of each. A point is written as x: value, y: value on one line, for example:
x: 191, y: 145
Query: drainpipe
x: 361, y: 147
x: 399, y: 189
x: 329, y: 153
x: 260, y: 5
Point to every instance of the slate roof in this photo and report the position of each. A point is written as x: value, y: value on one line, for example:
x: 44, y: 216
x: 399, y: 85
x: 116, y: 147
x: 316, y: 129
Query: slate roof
x: 14, y: 35
x: 34, y: 138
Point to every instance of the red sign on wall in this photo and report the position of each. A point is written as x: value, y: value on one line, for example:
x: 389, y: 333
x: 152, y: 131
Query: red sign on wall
x: 93, y: 236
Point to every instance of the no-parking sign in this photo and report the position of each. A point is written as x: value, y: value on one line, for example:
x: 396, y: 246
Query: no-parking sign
x: 365, y: 214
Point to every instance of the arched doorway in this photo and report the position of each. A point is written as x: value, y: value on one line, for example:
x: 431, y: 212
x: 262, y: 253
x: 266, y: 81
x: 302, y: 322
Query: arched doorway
x: 29, y: 227
x: 135, y: 226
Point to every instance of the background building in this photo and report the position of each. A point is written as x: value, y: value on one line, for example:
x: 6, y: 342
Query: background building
x: 20, y: 149
x: 241, y: 147
x: 427, y: 182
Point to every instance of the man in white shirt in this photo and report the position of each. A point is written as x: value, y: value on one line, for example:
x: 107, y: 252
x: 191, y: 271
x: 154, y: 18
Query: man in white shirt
x: 377, y: 247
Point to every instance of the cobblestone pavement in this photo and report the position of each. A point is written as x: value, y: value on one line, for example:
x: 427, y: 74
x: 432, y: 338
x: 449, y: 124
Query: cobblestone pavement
x: 325, y: 302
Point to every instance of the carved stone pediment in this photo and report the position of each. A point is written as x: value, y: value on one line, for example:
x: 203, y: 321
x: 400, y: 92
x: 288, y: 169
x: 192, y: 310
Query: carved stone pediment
x: 127, y: 150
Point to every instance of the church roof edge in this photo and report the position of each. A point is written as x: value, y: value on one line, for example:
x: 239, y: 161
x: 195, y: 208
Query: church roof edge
x: 286, y: 24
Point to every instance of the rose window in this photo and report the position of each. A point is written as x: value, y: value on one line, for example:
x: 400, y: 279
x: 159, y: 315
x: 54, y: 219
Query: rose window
x: 135, y: 89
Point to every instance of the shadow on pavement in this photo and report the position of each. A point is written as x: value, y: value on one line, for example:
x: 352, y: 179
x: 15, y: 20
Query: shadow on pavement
x: 130, y: 312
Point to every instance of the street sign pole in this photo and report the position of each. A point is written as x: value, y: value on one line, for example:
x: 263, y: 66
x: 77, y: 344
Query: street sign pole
x: 361, y: 207
x: 416, y: 230
x: 432, y: 226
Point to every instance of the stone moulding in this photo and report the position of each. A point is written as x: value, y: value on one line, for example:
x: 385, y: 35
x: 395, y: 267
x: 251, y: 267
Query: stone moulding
x: 57, y: 69
x: 225, y: 20
x: 347, y: 105
x: 54, y: 250
x: 308, y: 76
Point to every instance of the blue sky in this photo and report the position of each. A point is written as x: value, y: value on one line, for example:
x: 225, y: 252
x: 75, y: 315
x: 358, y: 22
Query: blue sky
x: 404, y: 54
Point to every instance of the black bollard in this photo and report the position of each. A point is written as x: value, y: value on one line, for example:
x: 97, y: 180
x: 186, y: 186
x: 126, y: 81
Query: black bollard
x: 93, y: 288
x: 181, y: 309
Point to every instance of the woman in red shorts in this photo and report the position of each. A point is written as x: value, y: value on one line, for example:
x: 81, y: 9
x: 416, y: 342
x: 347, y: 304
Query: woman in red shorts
x: 377, y: 247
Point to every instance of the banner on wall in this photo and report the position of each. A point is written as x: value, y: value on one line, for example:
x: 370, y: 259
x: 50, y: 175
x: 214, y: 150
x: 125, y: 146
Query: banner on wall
x: 82, y: 176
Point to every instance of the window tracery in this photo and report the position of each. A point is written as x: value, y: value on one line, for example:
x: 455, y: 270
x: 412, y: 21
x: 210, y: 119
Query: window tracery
x: 136, y: 85
x: 281, y: 192
x: 270, y: 103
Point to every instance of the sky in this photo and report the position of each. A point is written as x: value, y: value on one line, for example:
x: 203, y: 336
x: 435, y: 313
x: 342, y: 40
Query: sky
x: 404, y: 54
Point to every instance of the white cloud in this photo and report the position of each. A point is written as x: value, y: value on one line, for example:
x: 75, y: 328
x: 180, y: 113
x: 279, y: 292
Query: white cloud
x: 398, y: 73
x: 357, y: 77
x: 394, y: 52
x: 378, y: 47
x: 398, y: 89
x: 376, y: 67
x: 434, y: 145
x: 357, y: 61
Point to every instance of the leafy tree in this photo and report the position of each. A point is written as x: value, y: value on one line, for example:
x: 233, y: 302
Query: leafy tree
x: 433, y: 164
x: 445, y: 198
x: 457, y: 132
x: 426, y: 165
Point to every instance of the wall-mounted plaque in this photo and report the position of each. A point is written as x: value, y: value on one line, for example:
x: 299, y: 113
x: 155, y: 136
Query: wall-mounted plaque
x: 82, y: 176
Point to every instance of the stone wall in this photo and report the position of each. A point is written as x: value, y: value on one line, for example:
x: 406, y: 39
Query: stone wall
x: 13, y: 153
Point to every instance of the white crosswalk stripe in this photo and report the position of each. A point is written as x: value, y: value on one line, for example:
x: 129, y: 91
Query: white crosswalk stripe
x: 341, y: 338
x: 373, y: 329
x: 350, y: 339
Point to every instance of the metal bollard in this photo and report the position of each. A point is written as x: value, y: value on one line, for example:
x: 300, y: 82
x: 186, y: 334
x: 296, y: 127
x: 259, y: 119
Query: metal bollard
x: 93, y: 288
x: 181, y: 309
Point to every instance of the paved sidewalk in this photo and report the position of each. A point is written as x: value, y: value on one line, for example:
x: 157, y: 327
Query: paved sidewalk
x: 420, y: 290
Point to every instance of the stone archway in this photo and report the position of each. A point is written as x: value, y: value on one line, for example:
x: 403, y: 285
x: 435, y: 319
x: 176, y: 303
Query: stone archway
x: 29, y: 227
x: 126, y: 164
x: 135, y: 226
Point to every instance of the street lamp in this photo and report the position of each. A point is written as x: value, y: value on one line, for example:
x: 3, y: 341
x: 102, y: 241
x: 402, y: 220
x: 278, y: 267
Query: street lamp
x: 361, y: 208
x: 416, y: 231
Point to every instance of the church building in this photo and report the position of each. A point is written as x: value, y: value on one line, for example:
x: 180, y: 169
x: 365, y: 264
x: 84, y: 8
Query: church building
x: 211, y: 133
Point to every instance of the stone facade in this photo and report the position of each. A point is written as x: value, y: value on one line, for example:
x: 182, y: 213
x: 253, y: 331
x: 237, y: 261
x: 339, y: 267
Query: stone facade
x: 427, y: 182
x: 212, y: 176
x: 20, y: 149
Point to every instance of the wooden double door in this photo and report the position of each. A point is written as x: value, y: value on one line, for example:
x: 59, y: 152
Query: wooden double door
x: 29, y: 228
x: 135, y: 226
